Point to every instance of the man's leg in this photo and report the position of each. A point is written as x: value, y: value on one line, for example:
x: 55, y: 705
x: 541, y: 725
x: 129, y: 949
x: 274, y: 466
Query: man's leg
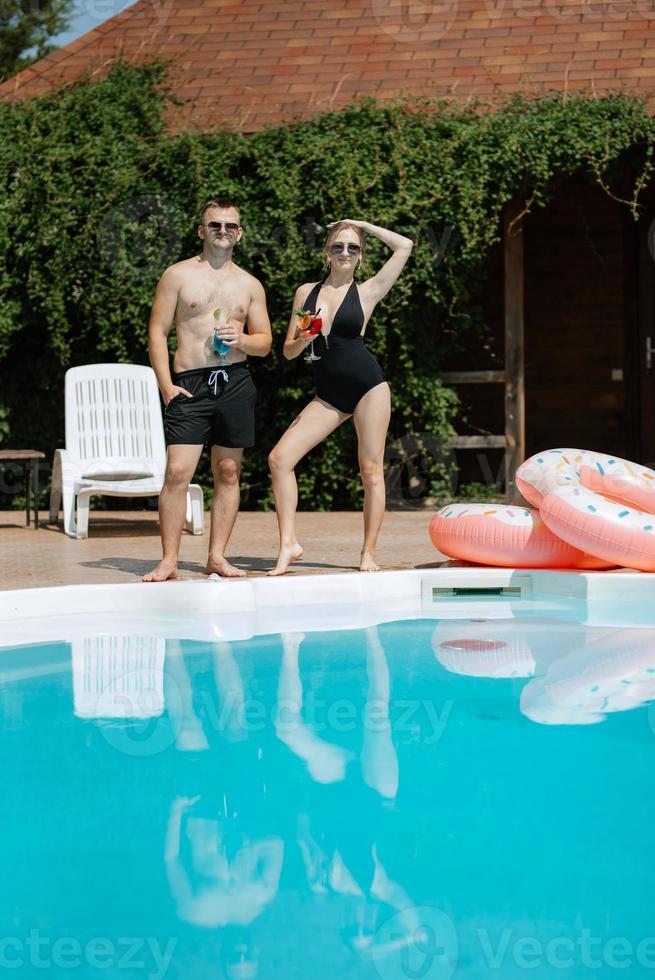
x: 226, y: 469
x: 180, y: 466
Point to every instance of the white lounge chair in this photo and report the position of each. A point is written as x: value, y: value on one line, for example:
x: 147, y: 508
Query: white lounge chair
x: 114, y: 444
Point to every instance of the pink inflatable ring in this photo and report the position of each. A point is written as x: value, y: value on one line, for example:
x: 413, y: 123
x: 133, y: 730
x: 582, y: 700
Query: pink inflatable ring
x: 594, y: 502
x: 496, y: 534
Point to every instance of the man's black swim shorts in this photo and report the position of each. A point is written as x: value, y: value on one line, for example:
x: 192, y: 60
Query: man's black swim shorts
x: 221, y: 411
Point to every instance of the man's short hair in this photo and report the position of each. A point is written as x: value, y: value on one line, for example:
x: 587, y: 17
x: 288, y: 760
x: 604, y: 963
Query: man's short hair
x: 220, y: 202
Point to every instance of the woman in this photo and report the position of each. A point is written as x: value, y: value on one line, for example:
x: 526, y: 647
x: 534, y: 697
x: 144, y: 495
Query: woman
x: 348, y: 380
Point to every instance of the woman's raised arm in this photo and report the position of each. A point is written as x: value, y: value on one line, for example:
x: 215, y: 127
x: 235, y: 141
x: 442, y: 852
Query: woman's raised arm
x: 379, y: 285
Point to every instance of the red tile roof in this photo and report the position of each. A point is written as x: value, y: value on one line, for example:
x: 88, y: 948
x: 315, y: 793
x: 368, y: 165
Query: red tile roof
x: 254, y: 62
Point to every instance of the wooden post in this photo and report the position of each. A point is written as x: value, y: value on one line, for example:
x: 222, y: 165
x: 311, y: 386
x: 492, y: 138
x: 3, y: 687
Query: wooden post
x: 514, y: 348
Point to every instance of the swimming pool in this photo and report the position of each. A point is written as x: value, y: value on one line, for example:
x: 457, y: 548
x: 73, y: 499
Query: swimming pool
x: 430, y: 784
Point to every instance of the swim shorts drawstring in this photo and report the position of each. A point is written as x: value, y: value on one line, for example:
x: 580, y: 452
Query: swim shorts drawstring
x: 213, y: 378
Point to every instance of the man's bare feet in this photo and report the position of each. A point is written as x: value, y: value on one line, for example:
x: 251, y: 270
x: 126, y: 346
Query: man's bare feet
x: 165, y: 569
x: 223, y: 568
x: 368, y: 562
x: 288, y: 554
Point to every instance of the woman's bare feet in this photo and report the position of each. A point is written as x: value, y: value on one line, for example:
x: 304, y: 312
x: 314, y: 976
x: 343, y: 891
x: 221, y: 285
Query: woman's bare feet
x: 165, y: 569
x: 368, y: 562
x: 223, y: 568
x: 288, y: 554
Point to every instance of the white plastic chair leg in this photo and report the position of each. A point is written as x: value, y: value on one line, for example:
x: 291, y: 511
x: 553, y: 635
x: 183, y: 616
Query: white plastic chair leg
x: 70, y: 526
x: 83, y: 498
x: 195, y: 510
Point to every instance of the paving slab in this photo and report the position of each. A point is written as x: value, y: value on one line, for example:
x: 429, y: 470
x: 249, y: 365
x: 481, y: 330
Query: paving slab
x: 122, y: 546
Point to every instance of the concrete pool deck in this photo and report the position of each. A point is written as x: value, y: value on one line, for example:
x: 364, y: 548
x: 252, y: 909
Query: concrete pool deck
x: 122, y: 546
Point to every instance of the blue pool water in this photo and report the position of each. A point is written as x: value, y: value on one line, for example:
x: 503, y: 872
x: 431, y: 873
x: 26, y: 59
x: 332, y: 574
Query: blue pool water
x: 432, y: 799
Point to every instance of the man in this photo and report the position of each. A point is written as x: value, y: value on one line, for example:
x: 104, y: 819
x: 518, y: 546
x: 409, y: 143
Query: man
x: 209, y: 398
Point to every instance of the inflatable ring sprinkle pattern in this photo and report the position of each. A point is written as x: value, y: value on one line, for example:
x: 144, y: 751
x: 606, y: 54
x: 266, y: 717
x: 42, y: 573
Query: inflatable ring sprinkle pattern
x: 595, y: 502
x: 613, y: 673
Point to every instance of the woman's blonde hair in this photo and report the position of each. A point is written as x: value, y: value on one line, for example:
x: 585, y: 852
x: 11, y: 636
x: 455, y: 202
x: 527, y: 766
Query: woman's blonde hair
x: 334, y: 234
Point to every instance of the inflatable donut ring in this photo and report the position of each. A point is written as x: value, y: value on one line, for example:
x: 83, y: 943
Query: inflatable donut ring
x: 497, y: 534
x: 501, y: 648
x: 486, y: 648
x: 614, y: 673
x: 597, y: 503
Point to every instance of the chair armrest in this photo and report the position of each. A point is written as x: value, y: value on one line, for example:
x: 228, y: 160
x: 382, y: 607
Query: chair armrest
x: 66, y: 465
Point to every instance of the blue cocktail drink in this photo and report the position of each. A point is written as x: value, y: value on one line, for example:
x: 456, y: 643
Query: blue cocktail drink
x: 220, y: 346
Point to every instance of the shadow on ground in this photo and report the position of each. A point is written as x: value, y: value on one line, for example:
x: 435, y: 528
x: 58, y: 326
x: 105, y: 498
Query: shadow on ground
x: 139, y: 566
x: 106, y: 528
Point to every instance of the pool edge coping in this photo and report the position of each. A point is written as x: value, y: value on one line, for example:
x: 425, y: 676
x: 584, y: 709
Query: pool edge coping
x: 351, y: 587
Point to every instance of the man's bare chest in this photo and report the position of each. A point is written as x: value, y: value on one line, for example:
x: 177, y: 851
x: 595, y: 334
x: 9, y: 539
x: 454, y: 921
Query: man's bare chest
x: 201, y: 299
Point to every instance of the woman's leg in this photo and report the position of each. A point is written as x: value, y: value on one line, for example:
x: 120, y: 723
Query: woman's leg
x: 371, y: 417
x: 314, y: 424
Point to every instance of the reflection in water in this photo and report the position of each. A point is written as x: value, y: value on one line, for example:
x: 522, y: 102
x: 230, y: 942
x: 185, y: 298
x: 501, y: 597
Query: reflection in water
x: 224, y: 845
x: 613, y: 673
x: 326, y: 763
x: 580, y: 673
x: 484, y: 648
x: 507, y: 648
x: 290, y: 808
x: 223, y: 861
x: 338, y: 833
x: 118, y: 677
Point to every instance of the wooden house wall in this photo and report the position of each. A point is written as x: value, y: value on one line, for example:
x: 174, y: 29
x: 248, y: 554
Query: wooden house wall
x: 575, y: 333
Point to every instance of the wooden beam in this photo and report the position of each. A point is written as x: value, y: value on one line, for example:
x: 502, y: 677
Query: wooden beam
x: 645, y: 340
x: 514, y: 346
x: 473, y: 377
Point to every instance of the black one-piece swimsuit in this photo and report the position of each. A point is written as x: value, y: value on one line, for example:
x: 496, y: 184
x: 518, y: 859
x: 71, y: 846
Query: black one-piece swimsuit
x: 346, y: 370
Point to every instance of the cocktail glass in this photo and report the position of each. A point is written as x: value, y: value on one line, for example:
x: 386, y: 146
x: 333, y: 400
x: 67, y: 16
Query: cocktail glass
x: 311, y: 323
x: 221, y: 348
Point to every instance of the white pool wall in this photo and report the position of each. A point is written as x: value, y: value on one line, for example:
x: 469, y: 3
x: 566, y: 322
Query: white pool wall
x: 215, y: 609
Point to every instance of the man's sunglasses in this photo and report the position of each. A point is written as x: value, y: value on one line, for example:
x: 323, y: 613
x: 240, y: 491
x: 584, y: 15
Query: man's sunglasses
x: 336, y: 248
x: 217, y: 225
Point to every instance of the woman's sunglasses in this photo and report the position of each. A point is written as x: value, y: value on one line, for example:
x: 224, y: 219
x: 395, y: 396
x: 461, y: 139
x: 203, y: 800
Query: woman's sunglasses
x: 336, y: 248
x: 217, y: 225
